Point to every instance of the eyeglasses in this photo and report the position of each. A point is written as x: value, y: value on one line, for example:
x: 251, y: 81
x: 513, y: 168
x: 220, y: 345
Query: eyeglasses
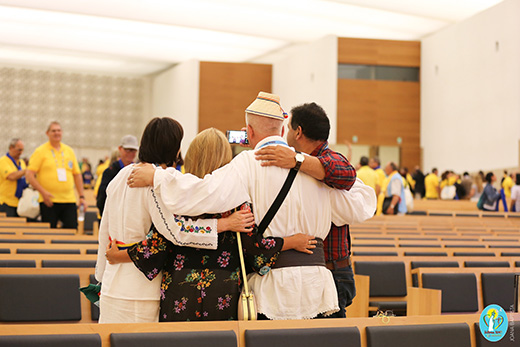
x: 128, y: 150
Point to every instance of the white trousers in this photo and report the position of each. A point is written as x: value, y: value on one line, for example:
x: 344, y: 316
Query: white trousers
x: 114, y: 310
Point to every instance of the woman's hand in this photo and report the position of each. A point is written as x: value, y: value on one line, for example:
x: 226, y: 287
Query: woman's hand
x: 141, y: 176
x: 300, y: 242
x: 116, y: 256
x: 241, y: 221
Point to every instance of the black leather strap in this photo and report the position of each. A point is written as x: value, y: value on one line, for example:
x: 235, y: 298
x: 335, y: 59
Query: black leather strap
x: 278, y: 201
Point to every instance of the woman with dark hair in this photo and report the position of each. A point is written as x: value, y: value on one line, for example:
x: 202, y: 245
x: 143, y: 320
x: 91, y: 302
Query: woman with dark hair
x: 126, y: 295
x: 491, y: 195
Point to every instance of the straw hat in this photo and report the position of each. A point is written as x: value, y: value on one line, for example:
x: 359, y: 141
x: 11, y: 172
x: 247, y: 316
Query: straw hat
x: 267, y: 105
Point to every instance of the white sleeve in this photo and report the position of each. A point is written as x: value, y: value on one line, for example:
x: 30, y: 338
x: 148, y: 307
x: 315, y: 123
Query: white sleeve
x: 353, y: 206
x: 179, y: 230
x: 102, y: 245
x: 221, y: 191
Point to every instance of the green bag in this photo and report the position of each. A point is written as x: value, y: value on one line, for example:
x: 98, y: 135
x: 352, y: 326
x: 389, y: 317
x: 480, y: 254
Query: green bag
x: 481, y: 200
x: 92, y: 292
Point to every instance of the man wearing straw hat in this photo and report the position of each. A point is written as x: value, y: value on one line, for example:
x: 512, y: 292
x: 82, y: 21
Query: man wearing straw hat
x: 287, y: 291
x: 308, y: 132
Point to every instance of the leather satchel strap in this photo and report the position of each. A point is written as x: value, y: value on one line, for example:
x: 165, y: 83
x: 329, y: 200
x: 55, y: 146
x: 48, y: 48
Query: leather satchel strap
x: 278, y: 201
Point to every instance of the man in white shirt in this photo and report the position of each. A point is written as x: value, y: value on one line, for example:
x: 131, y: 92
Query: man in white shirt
x: 292, y: 292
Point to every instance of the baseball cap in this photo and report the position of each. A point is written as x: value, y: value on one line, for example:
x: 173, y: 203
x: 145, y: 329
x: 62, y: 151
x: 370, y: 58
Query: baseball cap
x: 129, y: 142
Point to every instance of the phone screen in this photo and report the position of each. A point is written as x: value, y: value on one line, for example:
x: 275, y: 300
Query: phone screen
x: 237, y: 136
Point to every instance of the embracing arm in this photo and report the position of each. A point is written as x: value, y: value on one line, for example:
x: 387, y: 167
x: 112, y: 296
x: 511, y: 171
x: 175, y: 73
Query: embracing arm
x: 189, y: 195
x: 332, y: 168
x: 354, y: 206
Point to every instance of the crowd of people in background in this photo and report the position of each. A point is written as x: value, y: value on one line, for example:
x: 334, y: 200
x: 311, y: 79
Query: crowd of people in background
x: 448, y: 186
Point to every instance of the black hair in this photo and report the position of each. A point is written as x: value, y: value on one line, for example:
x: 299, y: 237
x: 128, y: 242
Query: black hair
x: 161, y: 141
x: 489, y: 176
x: 518, y: 178
x: 363, y: 161
x: 313, y: 120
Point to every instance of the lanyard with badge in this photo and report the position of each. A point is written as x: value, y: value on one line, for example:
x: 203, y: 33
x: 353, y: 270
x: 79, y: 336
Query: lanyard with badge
x: 62, y: 174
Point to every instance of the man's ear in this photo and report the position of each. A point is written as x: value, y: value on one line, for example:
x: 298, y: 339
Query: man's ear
x: 283, y: 130
x: 250, y: 131
x: 298, y: 133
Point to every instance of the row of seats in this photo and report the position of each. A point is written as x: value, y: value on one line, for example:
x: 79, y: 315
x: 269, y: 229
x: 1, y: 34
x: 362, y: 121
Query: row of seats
x: 461, y: 292
x: 461, y: 331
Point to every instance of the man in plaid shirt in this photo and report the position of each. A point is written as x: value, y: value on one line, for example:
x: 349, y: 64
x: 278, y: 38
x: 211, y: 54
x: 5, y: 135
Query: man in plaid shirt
x: 309, y: 129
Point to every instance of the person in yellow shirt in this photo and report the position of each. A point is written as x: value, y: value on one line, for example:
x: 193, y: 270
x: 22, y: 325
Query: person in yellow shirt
x: 431, y: 185
x: 507, y: 184
x: 54, y: 171
x: 12, y: 178
x: 375, y: 164
x: 368, y: 175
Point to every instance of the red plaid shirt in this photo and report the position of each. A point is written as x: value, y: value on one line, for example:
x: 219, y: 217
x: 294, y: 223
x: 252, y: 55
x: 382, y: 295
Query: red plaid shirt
x: 339, y: 174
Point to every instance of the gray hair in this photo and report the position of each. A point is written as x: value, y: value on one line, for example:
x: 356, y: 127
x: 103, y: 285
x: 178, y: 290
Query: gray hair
x: 13, y: 142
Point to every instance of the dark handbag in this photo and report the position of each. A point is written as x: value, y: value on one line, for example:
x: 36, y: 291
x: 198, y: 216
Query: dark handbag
x: 386, y: 205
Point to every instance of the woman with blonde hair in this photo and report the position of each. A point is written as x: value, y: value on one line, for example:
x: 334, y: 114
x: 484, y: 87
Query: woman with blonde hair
x: 208, y: 151
x: 201, y: 284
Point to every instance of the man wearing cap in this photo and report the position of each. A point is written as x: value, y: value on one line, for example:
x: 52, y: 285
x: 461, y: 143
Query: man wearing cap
x: 12, y: 178
x: 287, y: 291
x: 127, y: 152
x: 54, y: 171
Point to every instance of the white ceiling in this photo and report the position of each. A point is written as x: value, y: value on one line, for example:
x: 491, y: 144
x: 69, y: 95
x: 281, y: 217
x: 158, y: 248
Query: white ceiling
x: 145, y: 36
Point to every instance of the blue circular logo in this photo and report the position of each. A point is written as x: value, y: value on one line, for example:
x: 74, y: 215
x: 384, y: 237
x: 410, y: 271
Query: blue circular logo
x: 493, y: 323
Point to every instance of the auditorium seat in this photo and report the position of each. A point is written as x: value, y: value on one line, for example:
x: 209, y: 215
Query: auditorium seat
x: 92, y: 251
x: 88, y: 242
x: 427, y: 335
x: 46, y: 251
x: 459, y: 290
x: 21, y: 241
x: 486, y: 264
x: 5, y: 251
x: 90, y: 218
x: 510, y: 254
x: 17, y: 263
x: 425, y: 254
x: 465, y: 246
x: 505, y: 341
x: 473, y: 254
x: 68, y: 263
x: 330, y: 337
x: 27, y: 298
x: 375, y: 254
x: 418, y: 264
x: 61, y: 340
x: 178, y: 339
x: 387, y: 279
x: 498, y: 288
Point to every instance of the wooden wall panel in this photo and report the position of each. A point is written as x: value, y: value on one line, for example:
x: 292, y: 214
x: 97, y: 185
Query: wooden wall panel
x: 226, y: 89
x: 378, y: 112
x: 379, y: 52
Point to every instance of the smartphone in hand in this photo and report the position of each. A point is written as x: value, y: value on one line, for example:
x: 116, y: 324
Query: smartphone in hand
x: 237, y: 137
